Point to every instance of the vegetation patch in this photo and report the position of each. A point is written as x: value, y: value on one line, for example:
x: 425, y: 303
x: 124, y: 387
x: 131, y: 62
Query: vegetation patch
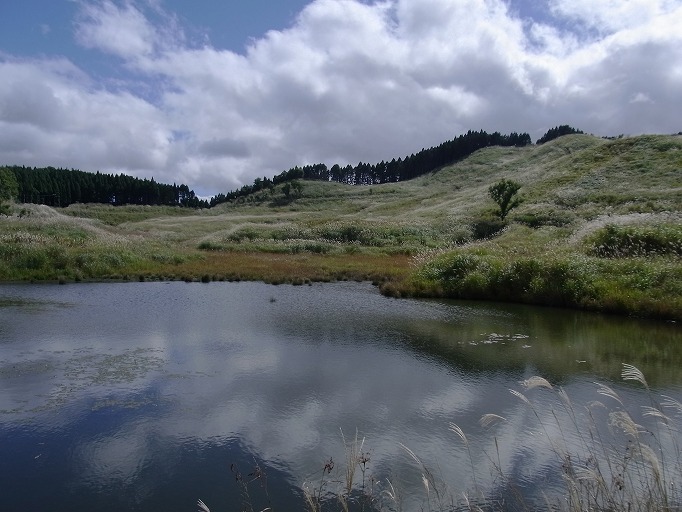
x: 631, y: 287
x: 614, y: 241
x: 544, y: 216
x: 559, y: 282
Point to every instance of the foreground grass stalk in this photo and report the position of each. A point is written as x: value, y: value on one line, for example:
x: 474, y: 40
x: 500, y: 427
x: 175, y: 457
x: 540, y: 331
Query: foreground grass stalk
x: 457, y: 430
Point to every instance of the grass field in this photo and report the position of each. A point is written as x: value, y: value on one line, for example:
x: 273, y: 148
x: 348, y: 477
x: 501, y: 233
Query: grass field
x: 600, y: 227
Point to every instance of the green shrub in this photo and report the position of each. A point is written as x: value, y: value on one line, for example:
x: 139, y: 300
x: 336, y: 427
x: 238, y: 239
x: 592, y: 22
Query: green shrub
x: 532, y: 280
x: 487, y: 227
x: 84, y: 260
x: 243, y: 234
x: 346, y: 233
x: 317, y: 247
x: 458, y: 266
x: 627, y: 241
x: 32, y: 259
x: 58, y: 257
x: 544, y: 218
x: 209, y: 245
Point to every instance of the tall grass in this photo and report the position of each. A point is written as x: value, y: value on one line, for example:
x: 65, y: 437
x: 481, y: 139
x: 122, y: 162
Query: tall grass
x: 49, y: 246
x: 625, y: 270
x: 618, y: 469
x: 618, y: 466
x: 332, y: 236
x: 615, y: 241
x: 344, y: 492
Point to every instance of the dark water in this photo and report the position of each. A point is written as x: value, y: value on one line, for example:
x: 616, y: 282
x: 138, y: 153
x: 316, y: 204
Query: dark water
x: 149, y: 396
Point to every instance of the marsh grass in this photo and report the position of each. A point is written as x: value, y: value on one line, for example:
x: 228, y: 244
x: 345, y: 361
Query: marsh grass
x: 640, y: 288
x: 46, y: 245
x: 636, y: 272
x: 331, y: 236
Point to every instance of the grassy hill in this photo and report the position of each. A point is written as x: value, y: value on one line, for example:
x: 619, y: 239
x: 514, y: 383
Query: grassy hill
x: 600, y: 227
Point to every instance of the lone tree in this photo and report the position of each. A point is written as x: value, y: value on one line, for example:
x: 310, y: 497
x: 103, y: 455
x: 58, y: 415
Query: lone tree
x: 503, y: 193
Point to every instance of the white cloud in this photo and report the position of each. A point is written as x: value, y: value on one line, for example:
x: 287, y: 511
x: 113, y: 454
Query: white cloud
x: 349, y: 81
x: 51, y: 114
x: 614, y: 15
x: 123, y: 31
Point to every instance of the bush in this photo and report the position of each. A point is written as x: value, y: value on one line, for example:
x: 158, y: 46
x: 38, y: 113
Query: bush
x: 243, y: 234
x: 34, y: 259
x: 538, y: 219
x: 208, y: 245
x: 346, y: 233
x: 628, y: 241
x: 459, y: 266
x: 548, y: 282
x: 487, y: 227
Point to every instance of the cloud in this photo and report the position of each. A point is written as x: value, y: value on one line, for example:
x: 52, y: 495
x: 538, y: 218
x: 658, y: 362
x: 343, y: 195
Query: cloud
x: 349, y: 81
x: 614, y: 15
x: 123, y: 31
x: 224, y: 147
x: 51, y: 114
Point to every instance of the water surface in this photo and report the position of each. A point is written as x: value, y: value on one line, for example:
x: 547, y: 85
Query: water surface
x: 148, y: 396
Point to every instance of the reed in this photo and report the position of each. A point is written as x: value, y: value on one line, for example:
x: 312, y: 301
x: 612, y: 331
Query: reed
x: 343, y: 490
x: 618, y: 466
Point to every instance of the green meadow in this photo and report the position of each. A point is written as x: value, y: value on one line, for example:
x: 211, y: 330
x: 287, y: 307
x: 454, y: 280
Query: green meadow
x: 599, y: 227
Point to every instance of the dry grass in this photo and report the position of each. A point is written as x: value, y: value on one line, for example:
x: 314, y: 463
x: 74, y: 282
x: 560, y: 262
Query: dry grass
x: 288, y: 268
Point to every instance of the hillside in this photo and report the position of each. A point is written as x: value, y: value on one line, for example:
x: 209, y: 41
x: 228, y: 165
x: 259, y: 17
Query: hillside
x: 600, y: 227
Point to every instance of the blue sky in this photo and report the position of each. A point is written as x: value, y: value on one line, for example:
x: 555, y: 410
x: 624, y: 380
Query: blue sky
x: 216, y: 93
x: 31, y: 27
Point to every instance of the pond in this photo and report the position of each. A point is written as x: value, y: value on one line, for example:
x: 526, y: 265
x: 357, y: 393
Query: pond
x: 150, y: 396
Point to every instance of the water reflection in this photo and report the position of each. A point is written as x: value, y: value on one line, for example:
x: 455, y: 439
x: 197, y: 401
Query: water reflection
x: 144, y: 395
x: 557, y: 343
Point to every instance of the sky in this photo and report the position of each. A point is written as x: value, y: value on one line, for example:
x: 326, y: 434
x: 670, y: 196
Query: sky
x: 214, y: 94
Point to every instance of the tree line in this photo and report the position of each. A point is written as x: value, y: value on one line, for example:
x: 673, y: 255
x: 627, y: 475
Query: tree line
x: 556, y: 132
x: 62, y: 187
x: 423, y: 162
